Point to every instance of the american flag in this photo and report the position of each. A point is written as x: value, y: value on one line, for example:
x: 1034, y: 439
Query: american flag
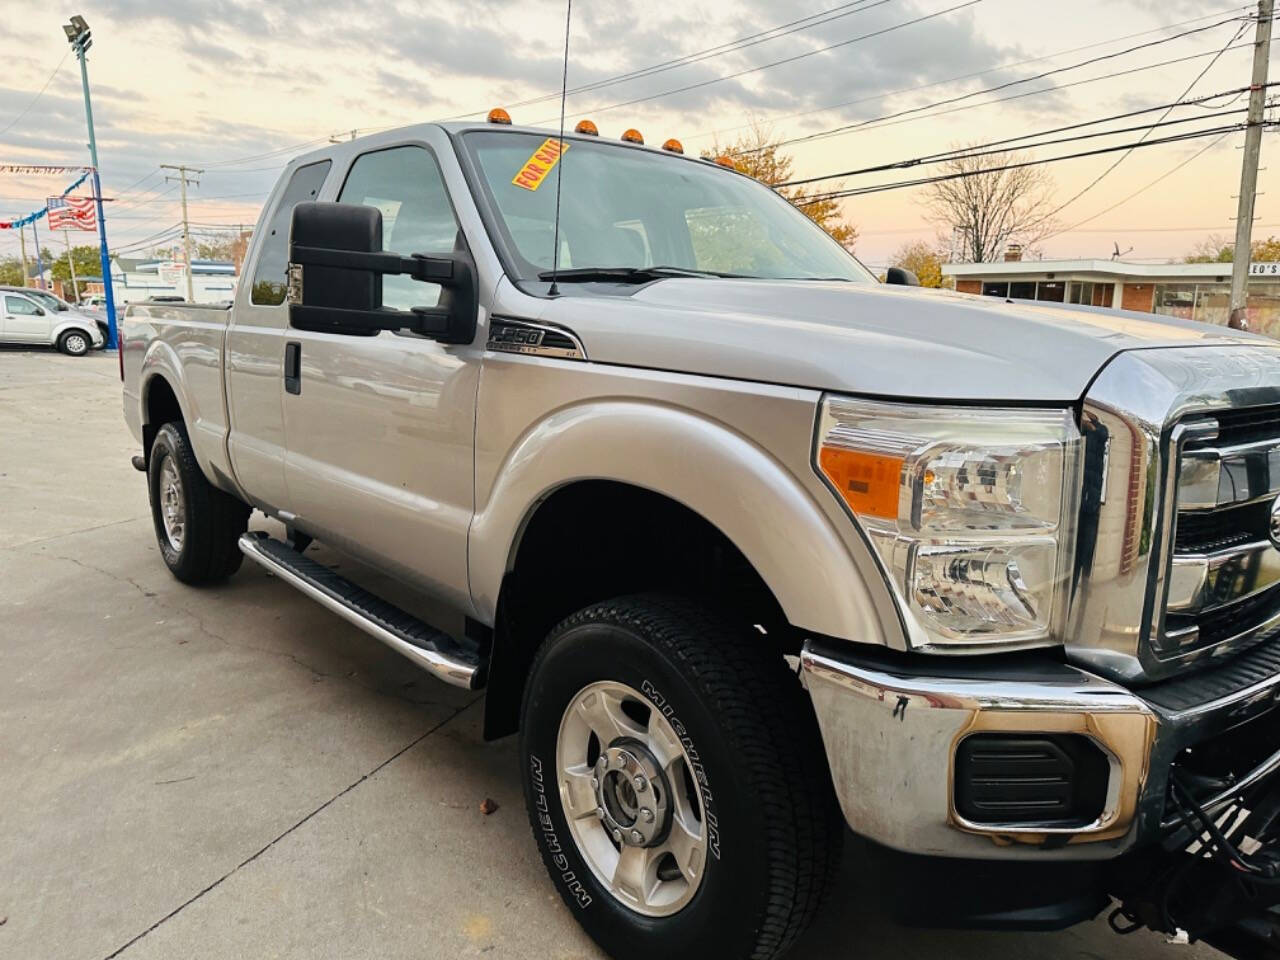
x: 72, y: 213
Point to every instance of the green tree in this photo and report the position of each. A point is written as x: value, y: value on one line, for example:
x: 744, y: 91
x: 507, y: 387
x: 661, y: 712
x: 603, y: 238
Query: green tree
x: 11, y: 271
x: 87, y: 260
x: 922, y: 259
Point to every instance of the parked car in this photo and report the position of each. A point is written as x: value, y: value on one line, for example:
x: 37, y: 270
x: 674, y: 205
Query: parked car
x: 750, y: 546
x: 37, y: 317
x: 96, y: 301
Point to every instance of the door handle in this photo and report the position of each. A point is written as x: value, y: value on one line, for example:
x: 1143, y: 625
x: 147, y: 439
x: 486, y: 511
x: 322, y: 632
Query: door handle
x: 293, y: 367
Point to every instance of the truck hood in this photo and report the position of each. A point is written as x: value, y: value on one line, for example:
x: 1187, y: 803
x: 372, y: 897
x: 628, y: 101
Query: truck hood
x: 868, y: 338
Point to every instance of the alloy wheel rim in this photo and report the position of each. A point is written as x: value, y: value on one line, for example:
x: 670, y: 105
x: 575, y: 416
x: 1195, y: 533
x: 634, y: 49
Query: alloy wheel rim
x: 630, y: 798
x: 76, y: 343
x: 172, y: 510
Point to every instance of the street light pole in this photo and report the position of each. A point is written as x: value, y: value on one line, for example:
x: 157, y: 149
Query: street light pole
x: 78, y: 36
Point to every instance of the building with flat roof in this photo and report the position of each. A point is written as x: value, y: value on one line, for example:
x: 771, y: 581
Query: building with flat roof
x: 140, y: 278
x: 1194, y: 291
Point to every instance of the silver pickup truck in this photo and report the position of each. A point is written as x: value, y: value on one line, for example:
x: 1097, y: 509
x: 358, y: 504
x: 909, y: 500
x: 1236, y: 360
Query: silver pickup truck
x: 750, y: 546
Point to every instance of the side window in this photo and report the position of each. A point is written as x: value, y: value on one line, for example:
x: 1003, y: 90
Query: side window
x: 405, y: 184
x: 19, y: 306
x: 269, y: 279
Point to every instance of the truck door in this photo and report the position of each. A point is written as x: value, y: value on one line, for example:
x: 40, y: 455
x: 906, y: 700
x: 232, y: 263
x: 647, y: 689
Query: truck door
x: 25, y: 321
x: 380, y: 428
x: 255, y: 350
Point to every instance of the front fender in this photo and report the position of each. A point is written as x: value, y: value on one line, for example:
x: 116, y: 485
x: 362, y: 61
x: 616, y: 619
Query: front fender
x: 65, y: 325
x: 733, y: 483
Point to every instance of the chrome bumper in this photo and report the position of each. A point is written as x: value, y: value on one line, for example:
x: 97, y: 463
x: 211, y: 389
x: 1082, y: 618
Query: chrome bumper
x: 891, y: 735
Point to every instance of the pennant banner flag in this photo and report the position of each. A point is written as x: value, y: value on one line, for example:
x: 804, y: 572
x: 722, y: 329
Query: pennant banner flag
x: 33, y: 168
x: 72, y: 213
x: 21, y: 222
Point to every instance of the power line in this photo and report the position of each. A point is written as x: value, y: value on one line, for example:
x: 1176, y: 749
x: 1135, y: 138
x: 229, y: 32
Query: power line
x: 971, y: 76
x: 39, y: 94
x: 923, y: 181
x: 776, y: 63
x: 730, y: 46
x: 984, y: 149
x: 1052, y: 89
x: 1125, y: 156
x: 845, y: 128
x: 1164, y: 176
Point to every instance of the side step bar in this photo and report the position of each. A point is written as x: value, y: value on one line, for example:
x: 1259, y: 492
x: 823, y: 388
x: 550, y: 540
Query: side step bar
x: 452, y: 661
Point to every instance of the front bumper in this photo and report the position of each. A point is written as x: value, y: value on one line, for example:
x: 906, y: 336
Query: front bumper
x: 892, y: 723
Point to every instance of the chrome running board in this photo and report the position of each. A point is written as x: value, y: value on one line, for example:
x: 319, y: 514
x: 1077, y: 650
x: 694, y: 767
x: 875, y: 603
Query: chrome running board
x: 455, y: 662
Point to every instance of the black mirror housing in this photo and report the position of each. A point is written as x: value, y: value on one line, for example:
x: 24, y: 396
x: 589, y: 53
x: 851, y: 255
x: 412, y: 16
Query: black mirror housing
x: 336, y: 265
x: 902, y: 277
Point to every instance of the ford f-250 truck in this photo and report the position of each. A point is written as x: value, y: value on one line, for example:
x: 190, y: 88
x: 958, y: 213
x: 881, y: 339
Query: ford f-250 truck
x: 750, y: 545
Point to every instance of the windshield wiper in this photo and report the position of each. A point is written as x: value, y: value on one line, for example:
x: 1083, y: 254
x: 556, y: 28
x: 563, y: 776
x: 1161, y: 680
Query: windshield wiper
x: 625, y: 274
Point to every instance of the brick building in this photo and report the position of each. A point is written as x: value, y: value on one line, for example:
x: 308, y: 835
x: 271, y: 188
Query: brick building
x: 1195, y: 291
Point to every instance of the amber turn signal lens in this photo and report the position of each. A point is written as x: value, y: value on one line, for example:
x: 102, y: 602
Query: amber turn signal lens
x: 673, y: 146
x: 498, y: 115
x: 868, y: 482
x: 633, y: 136
x: 586, y: 127
x: 725, y: 162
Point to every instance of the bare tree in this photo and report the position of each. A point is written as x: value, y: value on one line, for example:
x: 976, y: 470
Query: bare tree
x: 986, y: 206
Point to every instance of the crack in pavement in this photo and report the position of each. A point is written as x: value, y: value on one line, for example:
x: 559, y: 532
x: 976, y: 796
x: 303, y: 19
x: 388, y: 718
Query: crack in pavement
x: 71, y: 533
x: 248, y: 860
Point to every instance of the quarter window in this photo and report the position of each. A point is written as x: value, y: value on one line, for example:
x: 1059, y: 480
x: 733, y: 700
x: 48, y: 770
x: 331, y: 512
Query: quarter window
x: 406, y: 185
x: 269, y: 280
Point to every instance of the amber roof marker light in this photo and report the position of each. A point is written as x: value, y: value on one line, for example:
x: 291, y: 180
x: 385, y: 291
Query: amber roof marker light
x: 725, y: 162
x: 673, y: 146
x: 498, y: 115
x: 587, y: 128
x: 633, y: 136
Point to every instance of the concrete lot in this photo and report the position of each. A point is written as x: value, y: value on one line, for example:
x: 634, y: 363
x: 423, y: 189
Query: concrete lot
x: 236, y: 773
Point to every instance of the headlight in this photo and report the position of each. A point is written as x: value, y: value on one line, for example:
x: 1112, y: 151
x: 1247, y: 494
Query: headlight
x: 970, y: 511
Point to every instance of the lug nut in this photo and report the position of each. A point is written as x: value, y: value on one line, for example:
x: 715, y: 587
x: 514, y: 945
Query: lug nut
x: 637, y: 836
x: 617, y: 835
x: 646, y: 815
x: 599, y: 813
x: 641, y: 783
x: 595, y: 783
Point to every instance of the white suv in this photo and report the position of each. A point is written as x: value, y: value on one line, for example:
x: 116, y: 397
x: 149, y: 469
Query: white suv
x: 25, y: 319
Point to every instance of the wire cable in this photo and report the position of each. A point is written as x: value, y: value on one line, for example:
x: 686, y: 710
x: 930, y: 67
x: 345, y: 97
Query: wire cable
x: 27, y: 109
x: 1125, y: 156
x: 924, y: 181
x: 970, y: 76
x: 777, y: 63
x: 845, y: 128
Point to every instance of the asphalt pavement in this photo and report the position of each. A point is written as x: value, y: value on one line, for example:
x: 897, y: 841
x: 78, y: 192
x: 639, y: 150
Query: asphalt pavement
x: 234, y: 772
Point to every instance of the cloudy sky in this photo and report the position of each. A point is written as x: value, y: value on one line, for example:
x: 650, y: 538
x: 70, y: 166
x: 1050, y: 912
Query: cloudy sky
x: 237, y: 86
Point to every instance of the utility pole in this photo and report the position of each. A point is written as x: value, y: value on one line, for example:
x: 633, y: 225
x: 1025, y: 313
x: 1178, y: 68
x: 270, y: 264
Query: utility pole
x: 35, y: 236
x: 1249, y: 170
x: 184, y: 179
x: 22, y: 247
x: 71, y: 265
x: 77, y: 32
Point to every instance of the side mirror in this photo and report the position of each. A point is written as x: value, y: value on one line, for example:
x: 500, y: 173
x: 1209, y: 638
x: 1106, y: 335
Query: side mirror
x: 902, y: 277
x: 336, y: 266
x: 39, y: 311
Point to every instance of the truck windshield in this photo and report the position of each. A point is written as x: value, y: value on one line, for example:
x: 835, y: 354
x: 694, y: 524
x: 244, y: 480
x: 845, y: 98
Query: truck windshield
x: 642, y: 214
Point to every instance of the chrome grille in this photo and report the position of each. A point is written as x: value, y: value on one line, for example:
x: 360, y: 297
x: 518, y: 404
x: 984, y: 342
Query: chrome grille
x: 1223, y: 588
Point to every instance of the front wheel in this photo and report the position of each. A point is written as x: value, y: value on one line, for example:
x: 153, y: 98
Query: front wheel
x: 676, y: 784
x: 74, y: 343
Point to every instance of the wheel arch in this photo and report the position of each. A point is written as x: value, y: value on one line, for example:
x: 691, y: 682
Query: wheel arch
x: 717, y: 491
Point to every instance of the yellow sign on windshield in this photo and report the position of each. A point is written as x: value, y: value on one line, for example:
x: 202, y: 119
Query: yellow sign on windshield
x: 542, y: 162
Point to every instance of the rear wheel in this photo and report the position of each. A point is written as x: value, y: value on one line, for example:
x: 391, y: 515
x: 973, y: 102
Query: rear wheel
x: 197, y: 525
x: 676, y: 783
x: 74, y: 343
